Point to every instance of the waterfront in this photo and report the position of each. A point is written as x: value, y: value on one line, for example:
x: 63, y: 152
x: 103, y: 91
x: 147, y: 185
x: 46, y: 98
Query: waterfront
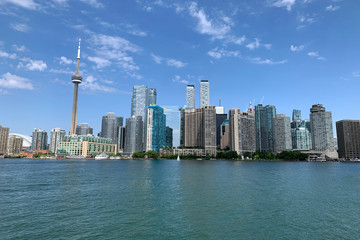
x: 152, y: 199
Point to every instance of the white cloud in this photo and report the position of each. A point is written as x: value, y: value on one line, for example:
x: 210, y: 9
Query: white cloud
x: 91, y: 83
x: 29, y: 4
x: 256, y: 44
x: 21, y: 48
x: 304, y: 20
x: 136, y: 32
x: 315, y: 55
x: 175, y: 63
x: 258, y: 60
x: 219, y: 53
x: 7, y: 55
x: 284, y: 3
x: 93, y: 3
x: 32, y: 65
x: 332, y: 8
x: 65, y: 60
x: 9, y: 80
x: 100, y: 62
x: 21, y: 27
x: 178, y: 79
x: 297, y: 48
x: 156, y: 58
x: 62, y: 71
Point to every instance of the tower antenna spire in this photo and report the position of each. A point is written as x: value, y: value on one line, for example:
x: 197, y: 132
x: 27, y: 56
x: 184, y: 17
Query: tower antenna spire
x: 78, y: 58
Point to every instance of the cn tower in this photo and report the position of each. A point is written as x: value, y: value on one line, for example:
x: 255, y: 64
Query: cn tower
x: 76, y: 79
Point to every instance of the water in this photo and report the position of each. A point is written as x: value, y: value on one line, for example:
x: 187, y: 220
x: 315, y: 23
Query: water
x: 129, y: 199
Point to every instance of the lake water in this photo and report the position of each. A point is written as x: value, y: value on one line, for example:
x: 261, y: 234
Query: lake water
x: 165, y: 199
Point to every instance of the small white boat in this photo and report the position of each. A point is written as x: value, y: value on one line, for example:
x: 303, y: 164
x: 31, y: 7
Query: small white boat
x: 101, y: 156
x: 178, y: 158
x: 75, y: 157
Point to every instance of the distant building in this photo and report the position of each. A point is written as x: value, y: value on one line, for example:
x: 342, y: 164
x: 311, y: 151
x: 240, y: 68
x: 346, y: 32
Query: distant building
x: 139, y: 104
x: 282, y: 133
x: 56, y: 136
x: 152, y: 96
x: 173, y: 121
x: 224, y: 135
x: 26, y: 140
x: 296, y: 115
x: 121, y: 139
x: 169, y: 137
x: 190, y: 96
x: 15, y: 145
x: 242, y: 137
x: 39, y: 140
x: 348, y: 138
x: 200, y: 128
x: 220, y: 117
x: 4, y: 138
x: 109, y: 126
x: 156, y: 128
x: 204, y: 93
x: 84, y: 129
x: 300, y: 132
x: 85, y: 146
x: 182, y: 126
x: 321, y: 128
x: 133, y: 135
x: 264, y: 117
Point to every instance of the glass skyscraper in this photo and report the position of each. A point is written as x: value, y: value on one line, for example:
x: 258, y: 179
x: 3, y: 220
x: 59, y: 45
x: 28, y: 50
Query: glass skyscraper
x: 204, y: 93
x: 190, y: 96
x: 264, y: 118
x: 152, y: 96
x: 139, y: 104
x: 300, y: 132
x: 133, y: 135
x: 173, y: 120
x: 56, y: 136
x: 156, y: 128
x: 109, y: 126
x: 39, y: 140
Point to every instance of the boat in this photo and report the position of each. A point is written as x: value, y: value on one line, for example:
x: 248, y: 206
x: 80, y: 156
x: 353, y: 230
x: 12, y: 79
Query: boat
x: 178, y: 158
x: 75, y: 157
x: 200, y: 159
x: 101, y: 156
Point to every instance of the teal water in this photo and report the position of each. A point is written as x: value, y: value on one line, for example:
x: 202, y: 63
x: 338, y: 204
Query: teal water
x: 158, y: 199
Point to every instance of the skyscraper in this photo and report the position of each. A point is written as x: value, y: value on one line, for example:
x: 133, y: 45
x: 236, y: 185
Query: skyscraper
x: 76, y: 79
x: 321, y: 128
x: 300, y: 132
x: 204, y: 93
x: 219, y: 120
x: 348, y: 137
x: 264, y: 117
x: 169, y: 137
x: 139, y: 104
x: 4, y: 136
x: 121, y: 139
x: 173, y: 121
x: 152, y: 96
x: 15, y: 144
x: 190, y: 96
x: 242, y: 137
x: 56, y: 136
x: 39, y: 140
x: 224, y: 142
x: 84, y: 129
x: 182, y: 126
x: 156, y: 128
x: 109, y: 126
x: 133, y: 135
x: 282, y: 133
x: 296, y: 115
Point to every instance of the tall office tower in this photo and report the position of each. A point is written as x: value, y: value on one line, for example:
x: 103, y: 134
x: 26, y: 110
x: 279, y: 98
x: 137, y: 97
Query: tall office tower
x: 139, y: 104
x: 15, y: 144
x: 348, y: 138
x: 300, y: 132
x: 109, y: 126
x: 200, y: 128
x: 133, y: 135
x: 156, y: 128
x: 321, y: 128
x: 224, y: 135
x: 182, y: 126
x: 173, y: 121
x: 76, y: 79
x: 204, y: 93
x: 4, y: 137
x: 152, y: 96
x: 282, y: 133
x: 242, y: 137
x: 84, y: 129
x: 264, y: 117
x: 169, y: 137
x: 190, y: 96
x: 296, y: 115
x: 56, y: 136
x: 39, y: 140
x: 219, y: 120
x: 121, y: 139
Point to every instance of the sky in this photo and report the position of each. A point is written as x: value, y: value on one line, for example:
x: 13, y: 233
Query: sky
x: 287, y: 53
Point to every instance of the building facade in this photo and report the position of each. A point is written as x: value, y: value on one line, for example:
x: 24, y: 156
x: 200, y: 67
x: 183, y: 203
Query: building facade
x: 169, y: 137
x: 300, y: 132
x: 220, y: 117
x: 348, y: 138
x: 264, y: 117
x: 121, y: 139
x: 39, y: 140
x: 139, y: 104
x: 109, y: 126
x: 182, y: 127
x: 84, y: 129
x: 156, y: 128
x: 152, y: 96
x: 15, y: 145
x: 322, y: 136
x: 204, y: 93
x: 190, y: 96
x: 133, y: 135
x: 4, y: 138
x: 200, y: 128
x: 56, y: 136
x: 242, y: 136
x: 224, y: 135
x: 282, y: 133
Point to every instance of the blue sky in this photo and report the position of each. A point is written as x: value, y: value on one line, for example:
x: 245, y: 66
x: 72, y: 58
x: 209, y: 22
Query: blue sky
x: 290, y: 53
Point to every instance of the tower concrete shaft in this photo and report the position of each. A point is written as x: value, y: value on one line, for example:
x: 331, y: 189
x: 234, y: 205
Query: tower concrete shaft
x: 76, y: 79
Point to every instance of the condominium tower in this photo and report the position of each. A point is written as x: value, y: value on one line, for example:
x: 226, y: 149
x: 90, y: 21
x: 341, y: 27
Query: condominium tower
x: 133, y: 132
x: 156, y: 128
x: 15, y: 144
x: 321, y: 128
x: 56, y: 136
x: 4, y: 136
x: 152, y: 96
x: 282, y: 133
x: 190, y: 96
x: 264, y: 117
x: 109, y: 126
x: 39, y: 140
x: 348, y: 138
x: 204, y: 93
x: 84, y: 129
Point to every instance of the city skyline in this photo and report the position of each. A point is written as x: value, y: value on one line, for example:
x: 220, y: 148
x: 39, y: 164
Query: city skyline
x: 245, y: 56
